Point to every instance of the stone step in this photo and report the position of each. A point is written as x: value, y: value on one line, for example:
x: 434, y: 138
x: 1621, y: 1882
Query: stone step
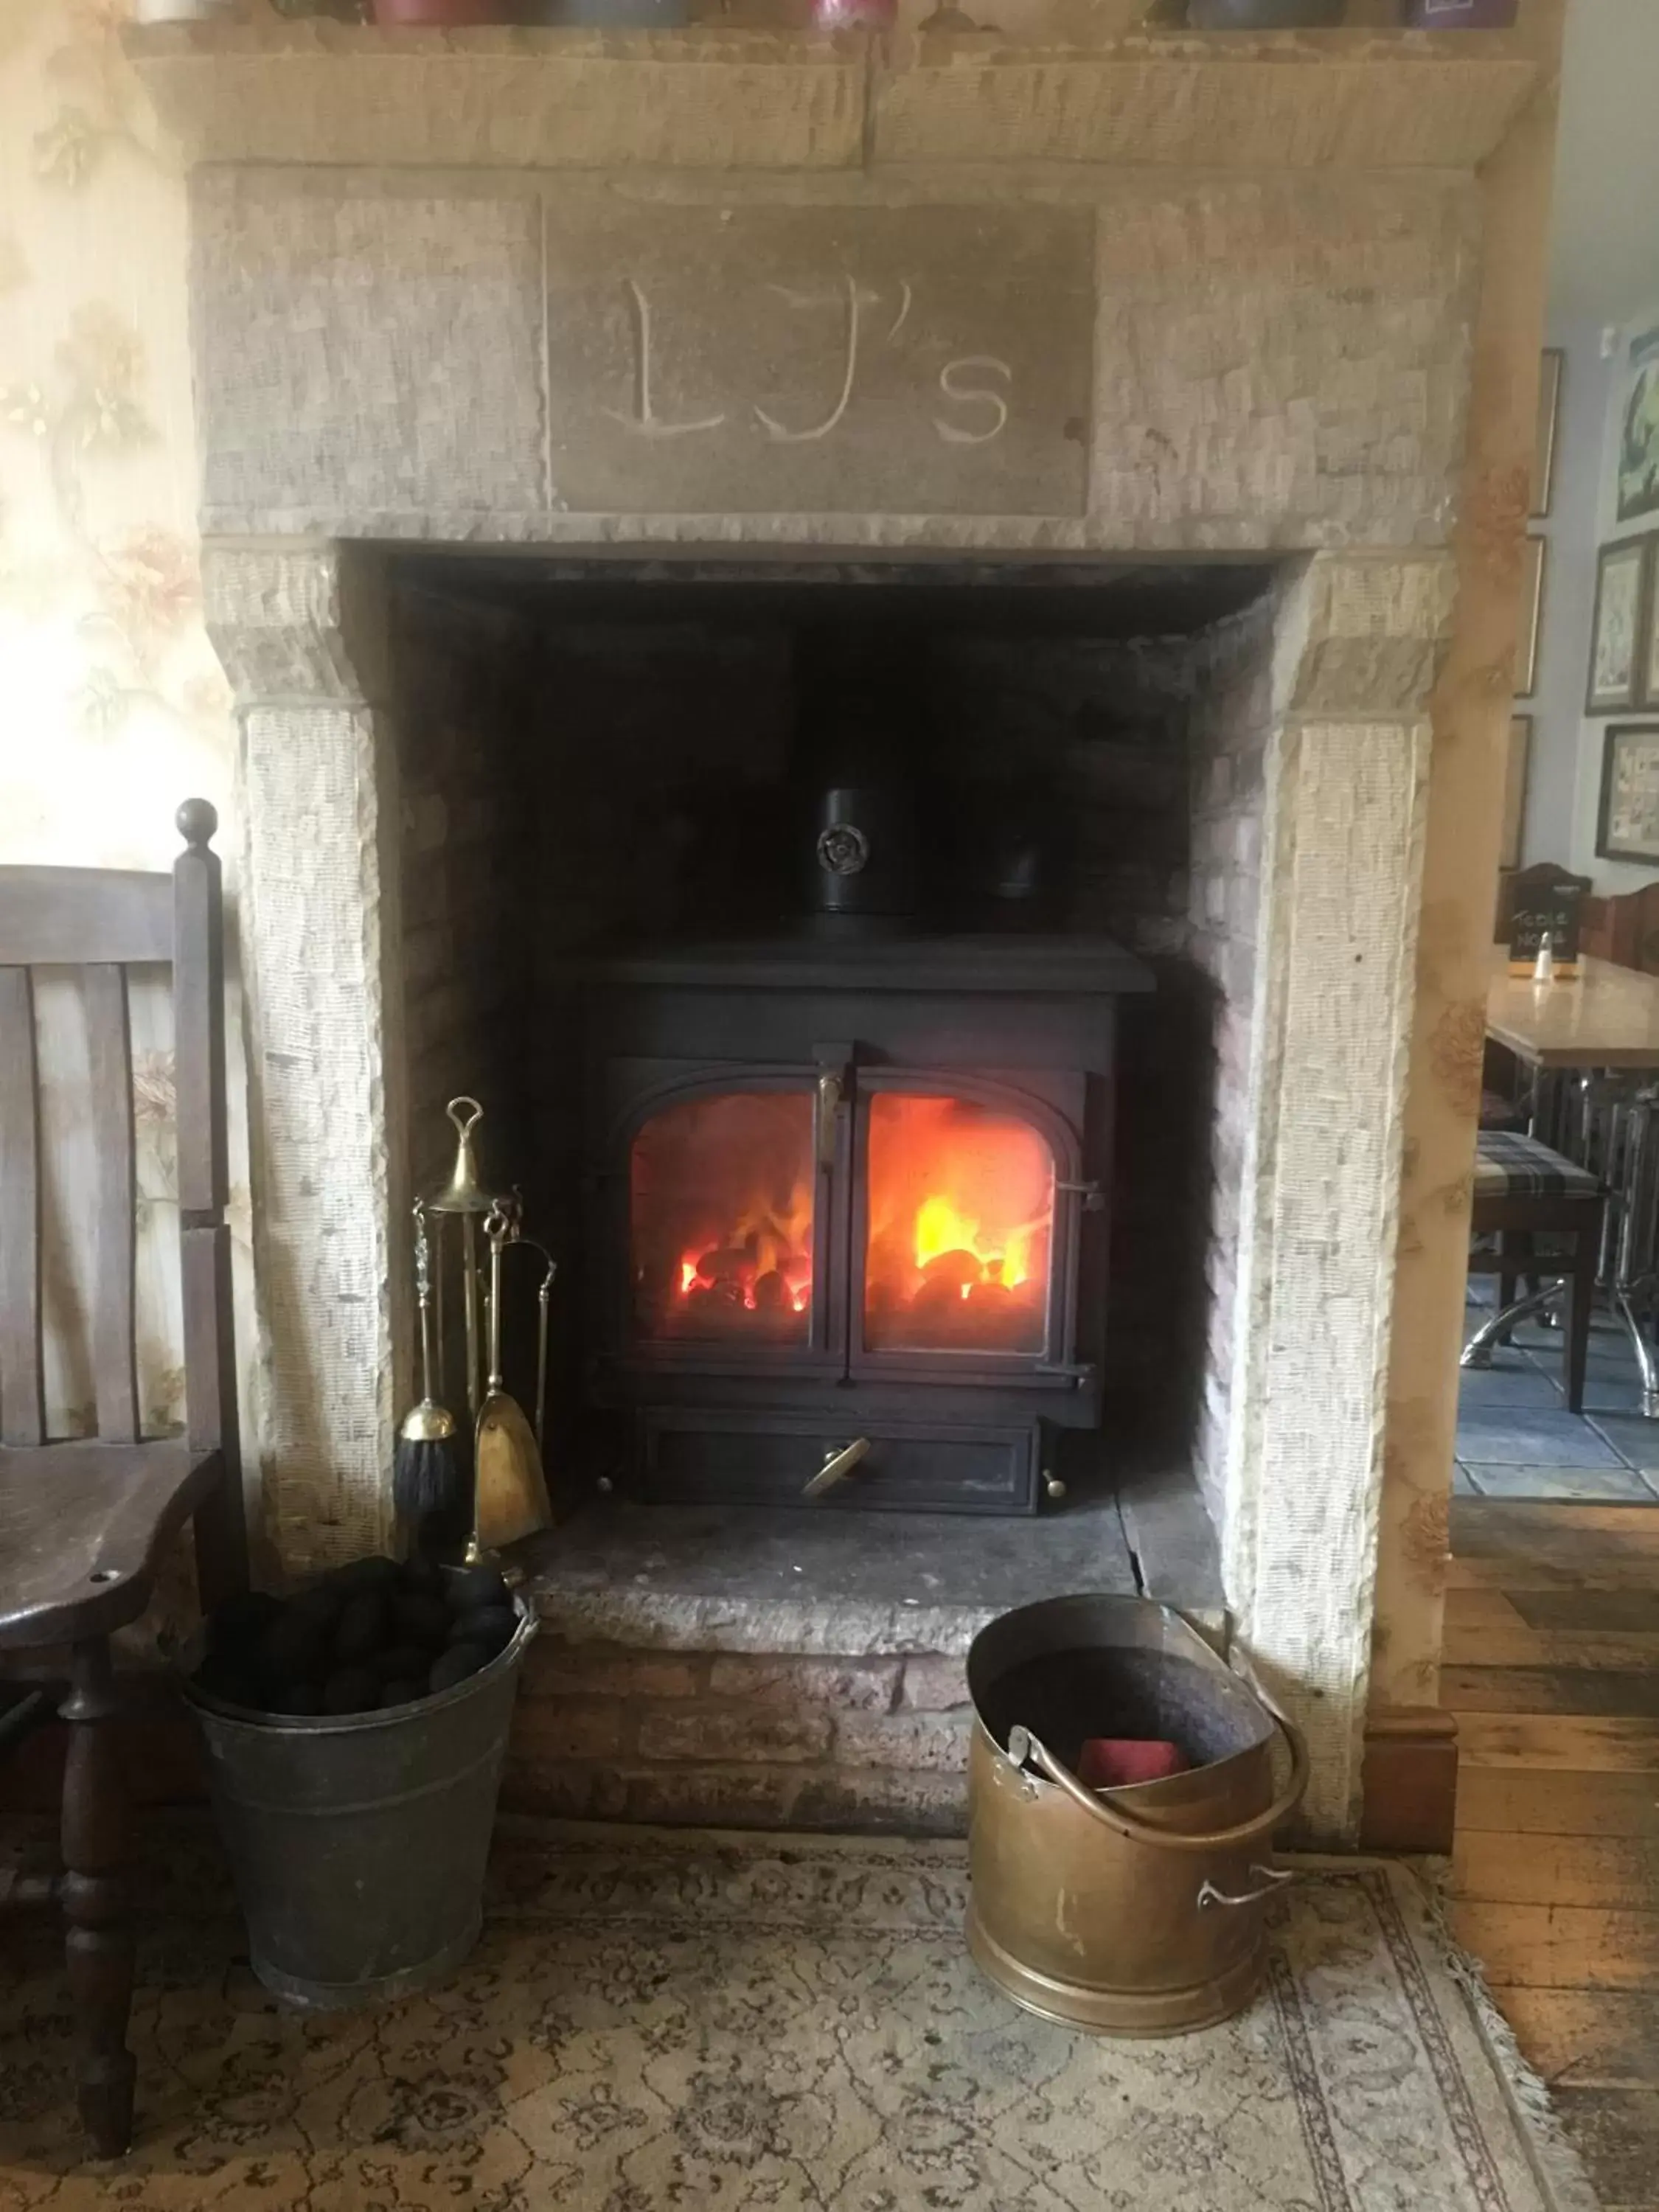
x: 763, y: 1667
x: 741, y: 1738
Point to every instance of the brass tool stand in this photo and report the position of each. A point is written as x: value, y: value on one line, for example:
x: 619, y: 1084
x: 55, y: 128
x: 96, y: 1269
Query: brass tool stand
x: 501, y: 1513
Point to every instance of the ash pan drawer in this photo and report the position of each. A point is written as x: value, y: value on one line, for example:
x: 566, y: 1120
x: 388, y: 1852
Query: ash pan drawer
x: 685, y: 1456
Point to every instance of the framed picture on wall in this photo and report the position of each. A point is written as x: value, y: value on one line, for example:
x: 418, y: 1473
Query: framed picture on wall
x: 1638, y: 428
x: 1532, y: 615
x: 1648, y: 657
x: 1628, y: 820
x: 1543, y: 453
x: 1616, y: 631
x: 1515, y: 790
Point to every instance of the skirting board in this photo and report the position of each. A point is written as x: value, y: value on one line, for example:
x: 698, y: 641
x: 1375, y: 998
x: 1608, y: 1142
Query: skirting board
x: 1410, y: 1779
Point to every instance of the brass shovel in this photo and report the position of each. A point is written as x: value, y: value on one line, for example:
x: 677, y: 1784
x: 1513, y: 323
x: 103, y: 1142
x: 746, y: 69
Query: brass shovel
x: 510, y: 1497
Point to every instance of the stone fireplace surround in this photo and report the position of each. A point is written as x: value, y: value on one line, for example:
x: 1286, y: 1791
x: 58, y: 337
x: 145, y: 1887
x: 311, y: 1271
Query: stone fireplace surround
x: 1161, y: 296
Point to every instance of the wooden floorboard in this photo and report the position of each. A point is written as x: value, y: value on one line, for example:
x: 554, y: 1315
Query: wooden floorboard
x: 1617, y: 1871
x: 1546, y: 1802
x: 1583, y: 1607
x: 1483, y: 1525
x: 1561, y: 1947
x: 1603, y: 1692
x: 1481, y: 1608
x: 1616, y: 2133
x: 1551, y: 1666
x: 1587, y: 2039
x: 1582, y: 1743
x: 1482, y: 1643
x: 1629, y: 1580
x: 1472, y: 1608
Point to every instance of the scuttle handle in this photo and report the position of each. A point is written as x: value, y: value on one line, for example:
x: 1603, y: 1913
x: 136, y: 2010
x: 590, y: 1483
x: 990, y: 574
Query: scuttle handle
x: 1274, y: 1878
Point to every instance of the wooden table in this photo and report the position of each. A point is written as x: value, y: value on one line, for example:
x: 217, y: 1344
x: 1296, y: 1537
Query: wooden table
x: 1604, y: 1017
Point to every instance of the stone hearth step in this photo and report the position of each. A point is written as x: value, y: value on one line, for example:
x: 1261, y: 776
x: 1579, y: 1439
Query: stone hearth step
x: 753, y: 1668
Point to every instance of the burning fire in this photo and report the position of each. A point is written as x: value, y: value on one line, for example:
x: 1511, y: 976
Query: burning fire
x: 762, y: 1264
x: 941, y: 1229
x: 961, y: 1212
x: 721, y: 1206
x: 960, y: 1207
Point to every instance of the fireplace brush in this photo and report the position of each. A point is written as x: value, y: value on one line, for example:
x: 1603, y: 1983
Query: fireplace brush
x: 430, y: 1488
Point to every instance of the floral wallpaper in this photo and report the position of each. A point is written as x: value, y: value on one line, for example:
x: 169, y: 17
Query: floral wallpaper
x: 115, y: 708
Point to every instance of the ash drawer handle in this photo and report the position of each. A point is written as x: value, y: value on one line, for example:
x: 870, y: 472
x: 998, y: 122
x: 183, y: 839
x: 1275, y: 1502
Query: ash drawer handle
x: 836, y: 1466
x: 1274, y: 1878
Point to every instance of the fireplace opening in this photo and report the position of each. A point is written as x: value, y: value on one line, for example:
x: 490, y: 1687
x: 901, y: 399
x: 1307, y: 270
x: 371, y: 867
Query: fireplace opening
x: 855, y: 963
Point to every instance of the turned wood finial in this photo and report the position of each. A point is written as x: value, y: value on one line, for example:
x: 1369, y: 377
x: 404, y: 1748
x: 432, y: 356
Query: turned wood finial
x: 196, y: 820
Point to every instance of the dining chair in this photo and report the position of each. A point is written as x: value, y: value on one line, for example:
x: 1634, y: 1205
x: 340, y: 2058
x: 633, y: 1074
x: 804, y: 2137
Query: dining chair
x: 1624, y: 928
x: 84, y: 1524
x: 1524, y: 1191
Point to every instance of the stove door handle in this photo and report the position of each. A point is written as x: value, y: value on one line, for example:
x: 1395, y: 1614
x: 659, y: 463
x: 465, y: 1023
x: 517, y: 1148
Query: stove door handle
x: 837, y: 1465
x: 829, y: 1107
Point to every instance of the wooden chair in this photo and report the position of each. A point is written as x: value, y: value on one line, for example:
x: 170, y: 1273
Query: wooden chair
x: 85, y: 1525
x: 1624, y: 928
x: 1523, y: 1190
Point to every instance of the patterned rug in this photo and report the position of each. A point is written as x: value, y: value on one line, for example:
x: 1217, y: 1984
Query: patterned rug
x: 724, y: 2023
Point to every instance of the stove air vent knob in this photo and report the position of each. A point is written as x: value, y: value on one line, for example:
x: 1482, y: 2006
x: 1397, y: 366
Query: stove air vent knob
x: 843, y: 849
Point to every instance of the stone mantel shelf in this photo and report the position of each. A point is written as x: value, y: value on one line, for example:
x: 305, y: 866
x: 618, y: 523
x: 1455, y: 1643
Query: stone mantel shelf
x: 317, y: 93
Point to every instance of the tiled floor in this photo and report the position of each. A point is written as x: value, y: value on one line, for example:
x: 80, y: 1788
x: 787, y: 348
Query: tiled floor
x: 1515, y: 1439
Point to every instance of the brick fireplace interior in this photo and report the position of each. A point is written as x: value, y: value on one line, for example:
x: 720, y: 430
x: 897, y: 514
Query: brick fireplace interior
x: 604, y: 768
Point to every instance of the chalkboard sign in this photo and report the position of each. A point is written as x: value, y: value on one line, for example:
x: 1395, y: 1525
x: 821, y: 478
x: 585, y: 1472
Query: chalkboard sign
x: 1551, y: 910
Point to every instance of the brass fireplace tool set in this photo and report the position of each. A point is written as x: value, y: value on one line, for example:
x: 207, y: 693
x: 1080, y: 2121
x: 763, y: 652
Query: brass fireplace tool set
x: 495, y: 1492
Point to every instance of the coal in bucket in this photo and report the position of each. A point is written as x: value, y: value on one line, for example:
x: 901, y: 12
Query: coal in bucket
x: 358, y: 1841
x: 1132, y: 1911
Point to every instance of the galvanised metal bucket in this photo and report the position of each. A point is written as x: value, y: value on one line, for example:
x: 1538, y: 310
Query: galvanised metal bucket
x: 358, y: 1842
x: 1130, y: 1912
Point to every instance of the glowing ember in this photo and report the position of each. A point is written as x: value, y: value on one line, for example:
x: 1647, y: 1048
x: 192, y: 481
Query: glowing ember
x: 757, y: 1269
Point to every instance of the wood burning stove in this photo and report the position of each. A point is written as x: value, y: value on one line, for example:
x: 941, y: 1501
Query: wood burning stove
x: 847, y: 1221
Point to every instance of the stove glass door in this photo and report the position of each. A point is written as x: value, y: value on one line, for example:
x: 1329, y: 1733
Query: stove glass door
x: 721, y: 1188
x: 959, y: 1227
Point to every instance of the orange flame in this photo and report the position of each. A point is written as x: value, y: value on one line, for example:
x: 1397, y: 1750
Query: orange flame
x: 960, y: 1210
x: 941, y: 1228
